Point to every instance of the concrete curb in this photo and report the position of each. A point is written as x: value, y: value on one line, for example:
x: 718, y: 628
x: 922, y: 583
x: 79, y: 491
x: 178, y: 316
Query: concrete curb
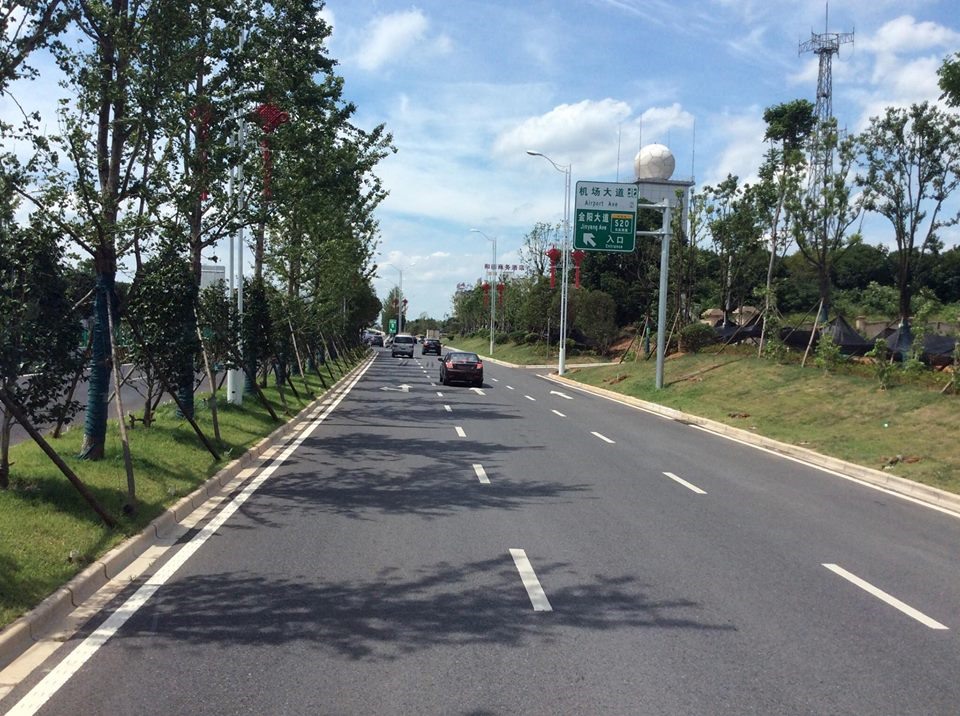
x: 931, y: 495
x: 43, y: 620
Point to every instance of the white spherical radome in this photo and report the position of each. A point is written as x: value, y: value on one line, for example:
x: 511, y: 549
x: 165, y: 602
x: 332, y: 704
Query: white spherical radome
x: 654, y: 161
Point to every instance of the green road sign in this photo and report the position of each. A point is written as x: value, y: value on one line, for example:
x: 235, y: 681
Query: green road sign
x: 605, y: 216
x: 393, y: 326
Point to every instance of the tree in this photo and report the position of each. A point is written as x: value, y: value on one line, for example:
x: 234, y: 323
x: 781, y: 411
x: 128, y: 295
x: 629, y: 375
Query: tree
x: 822, y: 216
x: 536, y: 242
x: 26, y: 26
x: 40, y: 337
x: 949, y: 73
x: 912, y: 162
x: 789, y: 125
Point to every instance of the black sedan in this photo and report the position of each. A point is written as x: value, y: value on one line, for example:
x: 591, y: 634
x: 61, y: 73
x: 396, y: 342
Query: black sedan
x: 430, y: 345
x: 462, y: 367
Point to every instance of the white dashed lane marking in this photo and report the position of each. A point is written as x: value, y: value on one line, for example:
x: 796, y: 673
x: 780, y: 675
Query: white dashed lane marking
x: 884, y: 597
x: 688, y: 485
x: 603, y: 437
x: 530, y: 582
x: 481, y: 474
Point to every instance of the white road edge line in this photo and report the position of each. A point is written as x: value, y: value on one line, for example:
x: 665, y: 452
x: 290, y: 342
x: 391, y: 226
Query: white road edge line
x: 557, y: 412
x: 603, y: 437
x: 883, y: 596
x: 460, y: 432
x: 481, y: 474
x: 51, y: 683
x: 688, y: 485
x: 821, y: 468
x: 529, y: 578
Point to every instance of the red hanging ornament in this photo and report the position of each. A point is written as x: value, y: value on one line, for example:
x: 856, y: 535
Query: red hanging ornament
x: 501, y: 287
x: 269, y: 117
x: 202, y: 114
x: 554, y: 255
x: 578, y: 257
x: 486, y: 293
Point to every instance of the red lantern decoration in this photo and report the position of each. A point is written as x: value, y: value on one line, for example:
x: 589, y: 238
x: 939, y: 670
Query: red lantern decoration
x: 554, y: 255
x: 486, y: 293
x: 578, y: 257
x: 202, y: 114
x: 501, y: 287
x: 269, y: 117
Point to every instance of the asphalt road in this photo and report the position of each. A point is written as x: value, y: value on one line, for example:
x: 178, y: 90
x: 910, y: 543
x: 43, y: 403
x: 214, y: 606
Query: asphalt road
x: 526, y: 548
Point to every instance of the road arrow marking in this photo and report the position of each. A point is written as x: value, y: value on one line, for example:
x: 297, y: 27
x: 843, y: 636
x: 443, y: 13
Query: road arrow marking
x: 478, y: 391
x: 400, y: 388
x: 588, y: 240
x: 562, y: 395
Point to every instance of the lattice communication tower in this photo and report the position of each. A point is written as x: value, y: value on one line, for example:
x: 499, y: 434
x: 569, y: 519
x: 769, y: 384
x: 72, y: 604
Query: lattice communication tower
x: 825, y: 45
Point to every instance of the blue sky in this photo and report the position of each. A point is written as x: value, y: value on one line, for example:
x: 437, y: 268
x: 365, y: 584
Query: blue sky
x: 467, y: 87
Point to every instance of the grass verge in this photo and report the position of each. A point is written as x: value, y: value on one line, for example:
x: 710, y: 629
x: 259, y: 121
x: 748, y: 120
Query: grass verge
x: 539, y: 354
x: 48, y: 533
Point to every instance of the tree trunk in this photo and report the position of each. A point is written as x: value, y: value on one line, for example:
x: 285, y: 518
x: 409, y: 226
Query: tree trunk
x: 131, y: 506
x: 211, y: 377
x: 5, y: 427
x: 98, y: 385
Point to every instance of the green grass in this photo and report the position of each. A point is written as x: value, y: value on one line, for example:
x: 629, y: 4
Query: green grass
x: 48, y: 531
x: 842, y: 413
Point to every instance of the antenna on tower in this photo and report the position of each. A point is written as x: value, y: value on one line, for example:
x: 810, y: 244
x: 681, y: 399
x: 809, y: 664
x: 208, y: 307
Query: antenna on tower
x: 825, y: 45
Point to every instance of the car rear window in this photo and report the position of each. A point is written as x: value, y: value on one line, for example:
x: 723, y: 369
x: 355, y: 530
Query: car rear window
x: 403, y: 339
x: 463, y: 357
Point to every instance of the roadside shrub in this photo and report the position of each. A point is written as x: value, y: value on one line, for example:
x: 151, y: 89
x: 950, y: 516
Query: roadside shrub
x: 883, y: 368
x: 518, y: 337
x: 827, y: 356
x: 531, y: 338
x: 696, y: 336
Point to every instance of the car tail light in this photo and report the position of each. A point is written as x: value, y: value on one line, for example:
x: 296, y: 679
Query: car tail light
x: 479, y: 364
x: 449, y: 364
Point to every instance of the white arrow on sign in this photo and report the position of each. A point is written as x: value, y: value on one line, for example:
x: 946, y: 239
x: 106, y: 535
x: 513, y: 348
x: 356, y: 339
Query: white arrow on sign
x: 588, y: 240
x: 562, y: 395
x: 401, y: 388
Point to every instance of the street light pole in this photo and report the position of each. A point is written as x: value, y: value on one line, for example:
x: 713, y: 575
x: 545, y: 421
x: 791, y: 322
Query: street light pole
x: 493, y: 291
x: 566, y: 169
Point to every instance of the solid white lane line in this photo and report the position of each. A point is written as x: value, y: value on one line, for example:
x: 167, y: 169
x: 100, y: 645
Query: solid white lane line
x: 481, y: 474
x: 688, y: 485
x: 53, y: 681
x: 448, y: 408
x: 528, y: 397
x: 460, y: 432
x: 849, y: 478
x: 529, y: 578
x: 557, y: 412
x: 509, y: 387
x: 883, y: 596
x: 603, y: 437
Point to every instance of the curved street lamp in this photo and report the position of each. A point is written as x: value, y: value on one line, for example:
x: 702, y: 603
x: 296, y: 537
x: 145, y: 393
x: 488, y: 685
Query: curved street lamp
x: 565, y: 169
x: 493, y: 293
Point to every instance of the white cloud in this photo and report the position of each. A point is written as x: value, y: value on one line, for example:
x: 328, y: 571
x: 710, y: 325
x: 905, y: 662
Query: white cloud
x: 741, y: 146
x: 905, y: 34
x: 390, y: 38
